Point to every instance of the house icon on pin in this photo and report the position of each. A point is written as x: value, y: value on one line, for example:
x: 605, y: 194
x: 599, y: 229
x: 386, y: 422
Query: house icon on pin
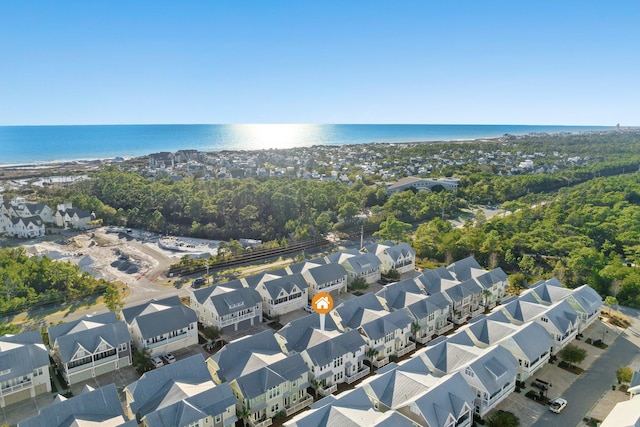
x: 322, y: 303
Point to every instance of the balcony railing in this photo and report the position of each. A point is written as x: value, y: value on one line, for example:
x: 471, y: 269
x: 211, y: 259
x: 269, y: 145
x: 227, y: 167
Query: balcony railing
x: 235, y: 319
x: 378, y: 363
x: 264, y: 423
x: 92, y: 364
x: 360, y: 374
x: 12, y: 389
x: 407, y: 349
x: 477, y: 312
x: 328, y: 390
x: 444, y: 329
x: 301, y: 404
x: 165, y: 341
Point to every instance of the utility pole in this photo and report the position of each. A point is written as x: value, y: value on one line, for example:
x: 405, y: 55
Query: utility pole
x: 362, y: 236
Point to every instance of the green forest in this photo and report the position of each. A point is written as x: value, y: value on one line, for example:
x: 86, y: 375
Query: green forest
x: 27, y: 281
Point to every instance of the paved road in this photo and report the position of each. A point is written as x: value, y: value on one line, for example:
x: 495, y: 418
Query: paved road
x: 583, y: 394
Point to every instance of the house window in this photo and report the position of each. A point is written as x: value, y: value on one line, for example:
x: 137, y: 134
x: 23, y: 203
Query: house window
x: 468, y: 371
x: 337, y: 362
x: 218, y: 419
x: 275, y: 408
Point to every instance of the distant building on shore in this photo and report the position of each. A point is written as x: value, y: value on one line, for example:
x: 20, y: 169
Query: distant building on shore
x: 431, y: 184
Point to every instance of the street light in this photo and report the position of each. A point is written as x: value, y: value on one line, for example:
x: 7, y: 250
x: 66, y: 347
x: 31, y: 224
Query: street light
x: 604, y: 331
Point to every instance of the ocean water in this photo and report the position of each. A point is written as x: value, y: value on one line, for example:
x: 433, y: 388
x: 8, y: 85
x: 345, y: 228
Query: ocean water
x: 43, y: 144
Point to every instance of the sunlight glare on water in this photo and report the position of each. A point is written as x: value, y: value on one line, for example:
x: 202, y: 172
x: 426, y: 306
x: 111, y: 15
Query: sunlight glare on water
x: 265, y: 136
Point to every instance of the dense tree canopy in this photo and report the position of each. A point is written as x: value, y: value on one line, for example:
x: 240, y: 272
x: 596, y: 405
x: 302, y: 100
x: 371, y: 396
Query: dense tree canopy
x: 29, y: 280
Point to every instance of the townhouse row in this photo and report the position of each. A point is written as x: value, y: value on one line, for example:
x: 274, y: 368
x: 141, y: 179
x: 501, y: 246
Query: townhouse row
x: 276, y: 374
x: 18, y: 218
x: 237, y: 304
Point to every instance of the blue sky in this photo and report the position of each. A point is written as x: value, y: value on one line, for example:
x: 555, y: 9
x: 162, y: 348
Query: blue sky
x: 481, y: 62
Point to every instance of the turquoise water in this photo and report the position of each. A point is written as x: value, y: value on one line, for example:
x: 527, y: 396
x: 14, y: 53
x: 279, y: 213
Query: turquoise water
x: 41, y: 144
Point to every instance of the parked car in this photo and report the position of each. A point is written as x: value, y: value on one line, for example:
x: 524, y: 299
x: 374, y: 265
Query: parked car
x: 157, y: 362
x: 308, y: 308
x: 168, y: 358
x: 197, y: 282
x: 557, y: 405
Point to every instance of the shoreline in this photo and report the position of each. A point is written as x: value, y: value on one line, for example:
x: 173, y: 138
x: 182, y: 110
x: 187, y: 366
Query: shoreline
x: 90, y: 162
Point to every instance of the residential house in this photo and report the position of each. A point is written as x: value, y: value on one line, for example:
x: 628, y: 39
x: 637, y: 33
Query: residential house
x: 352, y: 313
x: 162, y: 326
x: 494, y: 284
x: 91, y: 407
x: 431, y: 316
x: 387, y: 336
x: 338, y: 359
x: 279, y: 388
x: 398, y: 385
x: 20, y: 208
x: 433, y: 281
x: 90, y: 346
x: 491, y: 373
x: 181, y: 394
x: 26, y: 228
x: 229, y: 306
x: 448, y: 403
x: 397, y: 296
x: 283, y: 294
x: 363, y: 266
x: 68, y: 217
x: 244, y: 355
x: 5, y: 222
x: 351, y: 408
x: 302, y: 267
x: 329, y: 278
x: 341, y: 256
x: 464, y: 302
x: 529, y: 343
x: 24, y: 367
x: 401, y: 258
x: 305, y: 332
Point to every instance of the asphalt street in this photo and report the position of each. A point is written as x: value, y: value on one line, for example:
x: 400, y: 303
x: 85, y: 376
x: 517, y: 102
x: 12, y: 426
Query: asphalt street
x: 590, y: 386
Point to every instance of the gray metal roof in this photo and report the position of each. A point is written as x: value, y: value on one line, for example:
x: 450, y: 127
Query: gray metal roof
x: 363, y: 262
x: 495, y: 368
x: 347, y: 342
x: 130, y: 313
x: 202, y: 294
x: 395, y: 294
x: 326, y: 273
x: 234, y: 356
x: 88, y: 332
x: 98, y: 405
x: 298, y: 333
x: 333, y: 413
x: 387, y: 324
x: 422, y: 309
x: 21, y: 354
x: 301, y: 267
x: 377, y: 247
x: 351, y: 310
x: 286, y: 284
x: 533, y: 340
x: 400, y: 250
x: 161, y: 322
x: 339, y: 257
x: 462, y: 268
x: 458, y: 292
x: 151, y: 390
x: 235, y: 300
x: 212, y: 402
x: 259, y: 381
x: 446, y: 398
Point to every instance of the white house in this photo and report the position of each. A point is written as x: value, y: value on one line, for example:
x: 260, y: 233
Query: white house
x: 329, y: 278
x: 68, y: 217
x: 229, y: 306
x: 162, y: 326
x: 283, y: 294
x: 339, y: 359
x: 90, y: 346
x: 26, y: 228
x: 24, y: 367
